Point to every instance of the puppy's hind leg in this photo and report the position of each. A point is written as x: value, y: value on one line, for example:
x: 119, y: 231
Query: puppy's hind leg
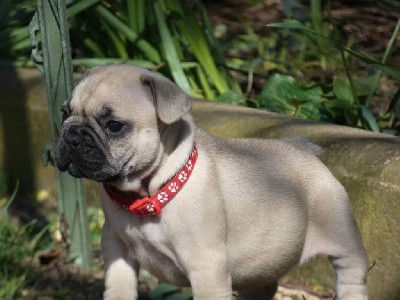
x: 350, y: 262
x: 263, y: 293
x: 332, y: 231
x: 351, y: 272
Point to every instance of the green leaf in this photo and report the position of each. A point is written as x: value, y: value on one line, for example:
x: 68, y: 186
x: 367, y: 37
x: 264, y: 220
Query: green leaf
x: 342, y: 89
x: 337, y: 103
x: 369, y: 117
x: 365, y: 85
x: 284, y: 94
x: 232, y: 97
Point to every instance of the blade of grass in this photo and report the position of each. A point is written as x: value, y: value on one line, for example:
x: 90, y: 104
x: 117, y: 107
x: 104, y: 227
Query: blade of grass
x: 80, y: 6
x: 136, y: 15
x: 209, y: 33
x: 369, y: 118
x: 316, y: 20
x: 12, y: 198
x: 117, y: 43
x: 92, y: 62
x: 208, y: 93
x: 188, y: 26
x: 21, y: 45
x: 148, y: 50
x: 215, y: 48
x: 338, y: 39
x: 93, y: 46
x: 196, y: 91
x: 20, y: 36
x: 364, y: 114
x: 15, y: 63
x: 378, y: 74
x: 169, y: 50
x: 395, y: 73
x: 14, y: 35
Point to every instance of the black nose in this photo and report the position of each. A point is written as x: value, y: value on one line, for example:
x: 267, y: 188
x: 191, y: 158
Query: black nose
x: 77, y: 134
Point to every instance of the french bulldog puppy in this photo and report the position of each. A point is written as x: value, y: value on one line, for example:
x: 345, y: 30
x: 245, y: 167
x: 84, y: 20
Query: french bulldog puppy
x: 193, y: 209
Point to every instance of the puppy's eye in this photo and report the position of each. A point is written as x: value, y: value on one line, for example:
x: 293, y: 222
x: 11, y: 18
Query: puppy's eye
x: 114, y: 126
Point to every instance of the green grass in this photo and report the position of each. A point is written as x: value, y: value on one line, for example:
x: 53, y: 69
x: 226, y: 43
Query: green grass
x: 18, y: 243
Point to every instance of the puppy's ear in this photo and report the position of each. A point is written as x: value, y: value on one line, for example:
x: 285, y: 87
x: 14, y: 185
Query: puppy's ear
x: 170, y: 101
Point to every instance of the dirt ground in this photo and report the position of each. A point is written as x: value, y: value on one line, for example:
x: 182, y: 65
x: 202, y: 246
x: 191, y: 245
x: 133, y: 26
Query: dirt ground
x: 372, y: 28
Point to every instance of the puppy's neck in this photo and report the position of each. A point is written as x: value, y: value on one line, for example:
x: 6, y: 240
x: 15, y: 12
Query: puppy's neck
x: 177, y: 140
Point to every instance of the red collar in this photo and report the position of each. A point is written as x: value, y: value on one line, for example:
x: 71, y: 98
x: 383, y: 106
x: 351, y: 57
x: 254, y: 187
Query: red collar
x: 153, y: 205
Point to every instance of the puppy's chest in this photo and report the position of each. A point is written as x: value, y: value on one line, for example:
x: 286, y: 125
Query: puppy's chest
x: 154, y: 251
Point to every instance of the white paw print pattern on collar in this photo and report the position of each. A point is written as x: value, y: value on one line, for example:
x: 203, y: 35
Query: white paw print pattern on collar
x: 189, y: 165
x: 173, y: 187
x: 182, y: 176
x: 162, y: 197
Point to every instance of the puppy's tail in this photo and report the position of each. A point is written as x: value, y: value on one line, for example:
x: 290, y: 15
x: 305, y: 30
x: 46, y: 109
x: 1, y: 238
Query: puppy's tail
x: 305, y: 144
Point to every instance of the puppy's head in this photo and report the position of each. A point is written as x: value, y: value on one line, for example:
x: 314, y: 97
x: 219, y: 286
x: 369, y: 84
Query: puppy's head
x: 112, y: 121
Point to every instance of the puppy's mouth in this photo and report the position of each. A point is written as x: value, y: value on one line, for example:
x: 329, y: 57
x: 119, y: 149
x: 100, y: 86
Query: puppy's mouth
x: 81, y: 152
x: 80, y: 168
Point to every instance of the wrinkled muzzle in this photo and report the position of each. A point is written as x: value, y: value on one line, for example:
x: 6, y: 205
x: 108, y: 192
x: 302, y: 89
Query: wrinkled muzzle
x: 82, y: 153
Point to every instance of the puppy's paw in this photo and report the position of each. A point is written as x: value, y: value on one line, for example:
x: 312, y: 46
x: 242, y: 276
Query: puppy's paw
x: 352, y: 292
x: 120, y: 294
x: 120, y: 281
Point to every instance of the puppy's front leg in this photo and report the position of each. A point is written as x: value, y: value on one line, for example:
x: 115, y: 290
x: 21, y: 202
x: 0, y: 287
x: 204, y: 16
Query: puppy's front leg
x: 121, y: 270
x: 209, y: 277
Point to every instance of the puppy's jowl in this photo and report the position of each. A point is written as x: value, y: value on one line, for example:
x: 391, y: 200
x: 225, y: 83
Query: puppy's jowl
x: 216, y: 214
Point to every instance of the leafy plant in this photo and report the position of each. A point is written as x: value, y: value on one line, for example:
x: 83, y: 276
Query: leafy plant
x: 285, y: 95
x: 17, y: 242
x: 351, y: 101
x: 389, y: 70
x: 334, y: 103
x: 162, y: 35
